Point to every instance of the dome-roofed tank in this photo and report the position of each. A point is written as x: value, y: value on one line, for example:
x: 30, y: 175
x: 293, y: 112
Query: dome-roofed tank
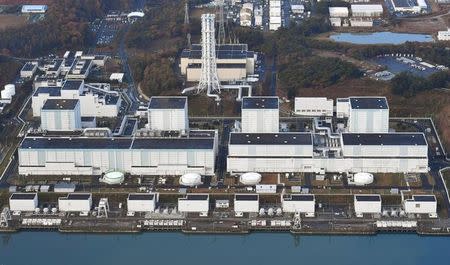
x: 113, y: 177
x: 191, y: 179
x: 250, y: 178
x: 363, y: 178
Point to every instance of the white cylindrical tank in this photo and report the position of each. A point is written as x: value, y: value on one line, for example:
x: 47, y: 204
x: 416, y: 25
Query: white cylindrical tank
x: 270, y: 212
x: 262, y: 212
x: 363, y: 178
x: 113, y: 177
x: 250, y: 178
x: 11, y: 88
x: 279, y: 211
x: 191, y: 179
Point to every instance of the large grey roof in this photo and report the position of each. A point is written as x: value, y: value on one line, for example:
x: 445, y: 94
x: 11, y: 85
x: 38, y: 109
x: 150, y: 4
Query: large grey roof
x: 383, y: 139
x: 53, y: 91
x: 260, y: 103
x: 72, y: 84
x: 299, y: 197
x: 167, y: 102
x: 368, y: 103
x: 424, y: 198
x: 141, y: 196
x: 368, y: 198
x: 246, y: 197
x: 60, y: 104
x: 271, y: 138
x: 116, y: 143
x: 23, y: 196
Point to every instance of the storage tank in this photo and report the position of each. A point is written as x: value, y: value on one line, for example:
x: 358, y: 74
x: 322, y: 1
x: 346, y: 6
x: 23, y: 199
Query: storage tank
x: 363, y: 178
x: 113, y: 177
x: 191, y: 179
x: 250, y: 178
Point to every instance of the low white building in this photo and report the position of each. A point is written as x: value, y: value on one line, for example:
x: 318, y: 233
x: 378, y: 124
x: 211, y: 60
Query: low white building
x: 246, y: 203
x: 313, y: 106
x: 23, y: 202
x: 36, y: 9
x: 444, y: 35
x: 367, y: 10
x: 117, y: 77
x: 75, y: 202
x: 61, y: 115
x: 298, y: 9
x: 338, y: 11
x: 421, y: 204
x: 28, y: 70
x: 246, y: 15
x: 298, y: 203
x: 141, y: 202
x: 367, y: 203
x: 260, y: 114
x: 168, y: 114
x: 194, y: 203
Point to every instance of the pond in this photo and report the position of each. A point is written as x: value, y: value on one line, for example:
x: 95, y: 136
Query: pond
x: 381, y: 38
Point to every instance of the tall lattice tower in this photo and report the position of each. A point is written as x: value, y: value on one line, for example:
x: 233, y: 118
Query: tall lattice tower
x: 221, y: 33
x: 186, y: 12
x: 209, y: 80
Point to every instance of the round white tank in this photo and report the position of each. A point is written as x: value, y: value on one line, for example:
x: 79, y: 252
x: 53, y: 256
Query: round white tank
x: 191, y: 179
x: 11, y: 88
x: 262, y: 212
x: 250, y: 178
x: 279, y: 212
x: 113, y: 177
x: 270, y: 212
x: 363, y: 178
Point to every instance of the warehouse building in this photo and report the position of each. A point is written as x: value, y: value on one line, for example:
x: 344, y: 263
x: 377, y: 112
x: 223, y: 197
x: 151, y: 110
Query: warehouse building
x: 168, y: 114
x: 409, y: 6
x: 194, y: 153
x: 36, y: 9
x: 367, y: 204
x: 234, y: 62
x: 23, y: 202
x: 260, y: 115
x: 443, y: 35
x: 298, y: 203
x: 28, y: 70
x: 194, y: 203
x: 75, y: 202
x: 80, y: 69
x: 94, y: 102
x: 367, y: 10
x: 313, y: 106
x: 338, y: 11
x: 246, y: 203
x: 141, y: 202
x: 61, y: 115
x: 421, y: 204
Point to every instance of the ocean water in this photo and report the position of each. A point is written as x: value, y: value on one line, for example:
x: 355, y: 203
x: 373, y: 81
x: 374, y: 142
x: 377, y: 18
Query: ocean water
x: 381, y: 38
x: 29, y: 248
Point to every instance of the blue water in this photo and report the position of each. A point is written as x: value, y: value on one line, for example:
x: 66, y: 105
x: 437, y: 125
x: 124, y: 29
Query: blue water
x: 29, y: 248
x: 380, y: 38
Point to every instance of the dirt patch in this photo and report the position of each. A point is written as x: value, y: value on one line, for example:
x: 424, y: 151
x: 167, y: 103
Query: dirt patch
x: 12, y: 21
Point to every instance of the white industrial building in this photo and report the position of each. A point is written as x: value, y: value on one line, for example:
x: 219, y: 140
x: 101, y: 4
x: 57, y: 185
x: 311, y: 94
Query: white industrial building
x: 303, y: 152
x: 298, y: 9
x: 234, y: 62
x: 409, y: 6
x: 338, y: 11
x: 444, y: 35
x: 421, y: 204
x: 246, y: 203
x: 366, y: 114
x: 37, y: 9
x: 367, y: 204
x: 28, y: 70
x: 313, y: 106
x: 168, y: 114
x: 258, y: 16
x: 260, y: 115
x: 361, y: 22
x: 94, y: 101
x: 246, y: 15
x: 75, y: 202
x: 23, y: 202
x: 80, y: 155
x: 80, y: 69
x: 61, y: 115
x: 141, y: 202
x: 275, y: 21
x: 298, y: 203
x: 367, y: 10
x: 194, y: 203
